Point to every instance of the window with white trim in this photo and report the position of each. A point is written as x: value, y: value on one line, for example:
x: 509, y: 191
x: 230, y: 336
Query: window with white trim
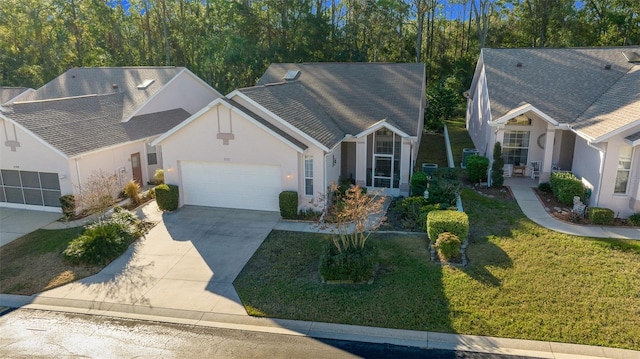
x: 515, y: 148
x: 308, y: 175
x: 624, y: 169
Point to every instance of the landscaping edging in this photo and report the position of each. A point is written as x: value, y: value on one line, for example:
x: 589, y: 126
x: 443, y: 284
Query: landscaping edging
x: 463, y: 255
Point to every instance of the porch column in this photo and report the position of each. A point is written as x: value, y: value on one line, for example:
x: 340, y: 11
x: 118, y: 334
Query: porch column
x: 499, y: 138
x: 361, y: 162
x: 545, y: 174
x: 405, y: 167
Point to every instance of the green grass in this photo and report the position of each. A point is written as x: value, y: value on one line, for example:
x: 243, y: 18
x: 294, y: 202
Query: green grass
x: 33, y: 262
x: 523, y: 281
x: 432, y: 150
x: 459, y: 138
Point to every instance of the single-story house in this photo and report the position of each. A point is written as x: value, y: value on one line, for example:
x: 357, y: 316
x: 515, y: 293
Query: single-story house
x: 88, y: 120
x: 573, y: 109
x: 300, y: 128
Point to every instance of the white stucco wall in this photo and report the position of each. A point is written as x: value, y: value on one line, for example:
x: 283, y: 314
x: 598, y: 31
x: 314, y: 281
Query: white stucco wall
x: 251, y: 145
x: 185, y: 92
x: 33, y: 155
x: 587, y: 170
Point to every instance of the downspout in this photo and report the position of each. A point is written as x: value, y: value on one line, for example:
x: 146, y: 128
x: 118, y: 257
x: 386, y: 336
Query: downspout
x: 78, y: 175
x: 597, y: 189
x: 324, y: 179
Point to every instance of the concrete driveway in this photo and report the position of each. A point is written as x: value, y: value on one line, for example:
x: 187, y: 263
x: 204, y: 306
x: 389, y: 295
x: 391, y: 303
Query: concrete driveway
x: 15, y: 223
x: 188, y: 261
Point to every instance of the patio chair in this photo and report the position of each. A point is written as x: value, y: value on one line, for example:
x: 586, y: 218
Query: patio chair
x: 535, y: 169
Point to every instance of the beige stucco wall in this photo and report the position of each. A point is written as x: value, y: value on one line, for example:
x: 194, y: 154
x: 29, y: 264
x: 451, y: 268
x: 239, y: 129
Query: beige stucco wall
x: 183, y: 92
x: 251, y: 145
x: 33, y: 155
x: 114, y: 160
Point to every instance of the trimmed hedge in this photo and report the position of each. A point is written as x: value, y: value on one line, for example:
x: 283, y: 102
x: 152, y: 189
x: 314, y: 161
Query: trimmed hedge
x: 477, y: 167
x: 448, y: 245
x: 167, y: 197
x: 288, y: 204
x: 601, y: 216
x: 453, y: 222
x: 418, y: 183
x: 68, y: 203
x: 634, y: 219
x: 565, y: 186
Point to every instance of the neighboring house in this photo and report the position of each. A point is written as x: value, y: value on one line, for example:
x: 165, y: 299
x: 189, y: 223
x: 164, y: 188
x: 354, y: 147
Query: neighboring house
x: 572, y: 110
x: 89, y: 120
x: 11, y: 94
x: 302, y: 127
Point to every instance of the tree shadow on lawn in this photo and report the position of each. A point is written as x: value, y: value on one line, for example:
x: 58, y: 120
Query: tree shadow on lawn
x: 483, y: 254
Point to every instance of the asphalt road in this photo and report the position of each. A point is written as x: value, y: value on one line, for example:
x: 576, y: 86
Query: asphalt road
x: 43, y: 334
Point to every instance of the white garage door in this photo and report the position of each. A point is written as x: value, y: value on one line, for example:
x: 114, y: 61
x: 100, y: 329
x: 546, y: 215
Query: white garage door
x: 231, y: 185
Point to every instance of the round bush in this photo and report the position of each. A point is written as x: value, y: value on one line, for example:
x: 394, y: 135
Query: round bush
x: 167, y: 197
x: 99, y: 244
x: 634, y: 219
x: 545, y: 187
x: 448, y: 245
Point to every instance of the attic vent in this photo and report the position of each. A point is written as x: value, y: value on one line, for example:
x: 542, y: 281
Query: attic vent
x: 632, y: 56
x: 146, y: 83
x: 291, y: 75
x: 519, y: 64
x: 607, y: 67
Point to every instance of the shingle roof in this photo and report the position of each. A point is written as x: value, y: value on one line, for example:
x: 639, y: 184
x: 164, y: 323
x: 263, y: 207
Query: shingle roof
x: 101, y: 80
x: 633, y: 137
x: 616, y: 108
x: 293, y: 103
x: 267, y: 124
x: 562, y: 83
x: 81, y: 124
x: 329, y: 100
x: 9, y: 93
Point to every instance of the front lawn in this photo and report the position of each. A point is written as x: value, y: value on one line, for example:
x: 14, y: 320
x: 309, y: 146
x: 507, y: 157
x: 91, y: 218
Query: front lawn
x: 34, y: 262
x: 523, y: 281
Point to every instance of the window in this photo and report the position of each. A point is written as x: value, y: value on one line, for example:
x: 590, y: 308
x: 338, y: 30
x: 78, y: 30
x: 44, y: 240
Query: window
x: 624, y: 169
x: 308, y: 176
x: 515, y: 149
x: 152, y: 157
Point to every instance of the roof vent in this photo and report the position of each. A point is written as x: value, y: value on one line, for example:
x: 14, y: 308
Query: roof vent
x: 146, y: 83
x: 607, y: 67
x: 519, y: 64
x: 114, y: 86
x: 292, y: 75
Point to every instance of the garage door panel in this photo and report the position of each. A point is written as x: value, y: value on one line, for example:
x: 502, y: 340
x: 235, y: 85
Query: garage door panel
x: 245, y: 186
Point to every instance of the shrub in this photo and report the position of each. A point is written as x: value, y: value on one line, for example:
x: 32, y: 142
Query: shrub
x: 68, y: 204
x: 634, y: 219
x: 444, y: 190
x: 545, y: 187
x: 601, y: 216
x: 352, y: 264
x: 448, y: 245
x: 447, y: 221
x: 288, y: 204
x: 167, y: 197
x: 410, y: 207
x: 98, y: 193
x: 158, y: 176
x: 105, y: 240
x: 309, y: 214
x: 565, y: 186
x: 477, y: 167
x: 447, y: 173
x: 132, y: 191
x: 99, y: 244
x: 418, y: 183
x: 497, y: 173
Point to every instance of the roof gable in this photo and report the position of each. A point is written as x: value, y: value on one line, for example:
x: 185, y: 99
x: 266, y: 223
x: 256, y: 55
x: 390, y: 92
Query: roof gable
x: 345, y: 98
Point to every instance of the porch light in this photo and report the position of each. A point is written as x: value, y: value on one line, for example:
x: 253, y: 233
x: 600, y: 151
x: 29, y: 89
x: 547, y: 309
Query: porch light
x: 289, y: 175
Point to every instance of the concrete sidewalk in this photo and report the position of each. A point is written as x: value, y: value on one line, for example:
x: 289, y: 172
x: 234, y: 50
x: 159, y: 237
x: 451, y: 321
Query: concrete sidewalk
x: 532, y: 208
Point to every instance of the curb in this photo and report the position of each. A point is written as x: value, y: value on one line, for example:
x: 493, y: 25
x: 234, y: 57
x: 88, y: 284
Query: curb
x: 319, y: 330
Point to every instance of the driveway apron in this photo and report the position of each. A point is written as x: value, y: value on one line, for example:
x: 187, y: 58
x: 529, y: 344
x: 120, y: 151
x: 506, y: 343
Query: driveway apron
x: 15, y: 223
x: 188, y: 261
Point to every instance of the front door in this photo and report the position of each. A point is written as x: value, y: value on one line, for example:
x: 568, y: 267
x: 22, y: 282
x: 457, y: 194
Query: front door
x: 382, y: 171
x: 136, y: 168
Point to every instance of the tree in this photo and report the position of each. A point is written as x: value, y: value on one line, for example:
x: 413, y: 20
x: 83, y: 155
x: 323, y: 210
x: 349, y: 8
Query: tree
x: 497, y: 173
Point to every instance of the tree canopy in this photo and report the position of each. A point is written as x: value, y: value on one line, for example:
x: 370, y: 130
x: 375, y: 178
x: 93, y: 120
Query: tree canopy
x: 229, y: 43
